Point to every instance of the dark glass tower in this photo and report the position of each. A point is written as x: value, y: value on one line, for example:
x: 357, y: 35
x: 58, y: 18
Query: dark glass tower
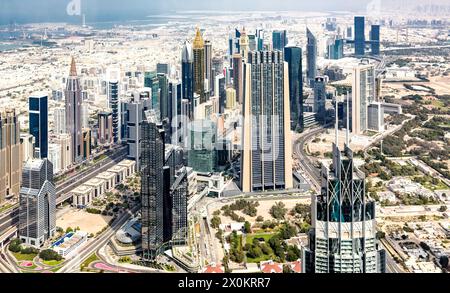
x: 187, y: 74
x: 152, y: 185
x: 320, y: 96
x: 279, y: 40
x: 38, y: 115
x: 73, y: 111
x: 375, y: 40
x: 311, y: 57
x: 360, y: 37
x: 293, y: 56
x: 343, y: 234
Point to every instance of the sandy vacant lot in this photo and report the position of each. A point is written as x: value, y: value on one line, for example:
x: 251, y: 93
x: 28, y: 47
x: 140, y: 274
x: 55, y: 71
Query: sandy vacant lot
x: 263, y: 209
x: 87, y: 222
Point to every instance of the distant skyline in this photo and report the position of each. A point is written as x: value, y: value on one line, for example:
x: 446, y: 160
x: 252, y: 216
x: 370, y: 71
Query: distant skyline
x: 27, y: 11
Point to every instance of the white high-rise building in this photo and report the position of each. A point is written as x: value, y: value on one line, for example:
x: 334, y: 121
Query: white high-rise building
x: 54, y: 156
x: 59, y: 120
x: 363, y: 93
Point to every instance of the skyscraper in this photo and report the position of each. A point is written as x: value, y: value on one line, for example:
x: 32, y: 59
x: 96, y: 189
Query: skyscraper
x: 38, y: 114
x: 198, y: 49
x: 208, y: 65
x: 59, y: 123
x: 105, y: 129
x: 320, y: 96
x: 245, y: 46
x: 360, y: 36
x: 163, y: 68
x: 375, y: 40
x: 27, y: 142
x: 178, y: 191
x: 152, y: 188
x: 86, y: 146
x: 238, y: 78
x: 311, y: 57
x: 202, y: 154
x: 266, y: 155
x: 279, y: 39
x: 114, y: 106
x: 363, y: 93
x: 37, y: 204
x: 10, y: 155
x: 187, y: 74
x: 343, y: 234
x: 73, y: 111
x: 151, y: 80
x: 293, y: 56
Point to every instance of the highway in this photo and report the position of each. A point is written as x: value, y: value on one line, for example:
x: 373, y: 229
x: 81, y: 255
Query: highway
x: 306, y: 163
x: 62, y: 190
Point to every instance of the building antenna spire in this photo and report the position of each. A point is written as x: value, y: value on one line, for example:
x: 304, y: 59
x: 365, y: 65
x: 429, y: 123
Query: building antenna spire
x: 347, y: 128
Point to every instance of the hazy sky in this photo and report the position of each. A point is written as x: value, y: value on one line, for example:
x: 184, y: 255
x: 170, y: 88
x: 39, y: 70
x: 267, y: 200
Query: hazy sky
x: 102, y: 10
x: 55, y: 10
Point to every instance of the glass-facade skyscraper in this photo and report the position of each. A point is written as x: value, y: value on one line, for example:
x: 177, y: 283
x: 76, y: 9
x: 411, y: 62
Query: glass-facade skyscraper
x: 187, y: 74
x: 279, y: 39
x: 266, y: 137
x: 375, y: 40
x: 360, y: 37
x: 343, y: 234
x: 202, y: 154
x: 38, y: 115
x: 37, y: 203
x: 198, y: 49
x: 320, y: 96
x: 114, y: 105
x: 293, y: 56
x: 311, y: 57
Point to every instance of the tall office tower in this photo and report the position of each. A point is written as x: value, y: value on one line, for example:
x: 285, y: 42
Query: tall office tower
x: 375, y: 40
x: 123, y: 120
x: 54, y: 156
x: 151, y: 80
x: 65, y: 143
x: 238, y: 77
x: 336, y: 49
x: 208, y: 64
x: 320, y: 96
x: 73, y: 111
x: 252, y: 42
x: 245, y: 46
x: 136, y: 109
x: 37, y: 204
x: 163, y: 68
x: 179, y: 192
x: 152, y: 185
x: 38, y: 119
x: 114, y: 106
x: 363, y: 93
x: 260, y: 37
x: 343, y: 234
x: 234, y: 43
x: 27, y: 142
x: 105, y: 129
x: 202, y: 155
x: 231, y: 98
x: 293, y: 57
x: 10, y: 155
x: 349, y: 32
x: 221, y: 92
x: 360, y: 36
x: 311, y: 57
x: 174, y: 110
x: 163, y: 83
x: 59, y: 123
x: 279, y: 40
x: 187, y: 74
x: 198, y: 49
x: 84, y: 115
x: 86, y: 146
x: 266, y: 156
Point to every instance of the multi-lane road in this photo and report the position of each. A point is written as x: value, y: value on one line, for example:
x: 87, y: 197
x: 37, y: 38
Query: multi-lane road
x: 11, y: 217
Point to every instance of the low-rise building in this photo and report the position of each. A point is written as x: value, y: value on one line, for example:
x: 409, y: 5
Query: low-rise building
x: 82, y: 196
x: 69, y: 243
x: 110, y: 180
x: 98, y: 185
x: 270, y: 266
